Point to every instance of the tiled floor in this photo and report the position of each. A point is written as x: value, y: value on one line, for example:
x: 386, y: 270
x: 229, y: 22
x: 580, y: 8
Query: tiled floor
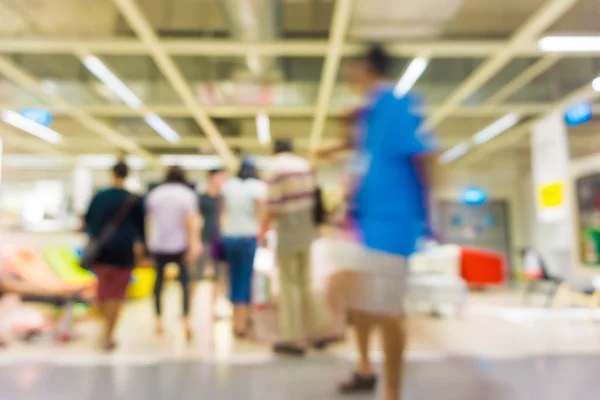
x: 496, y: 350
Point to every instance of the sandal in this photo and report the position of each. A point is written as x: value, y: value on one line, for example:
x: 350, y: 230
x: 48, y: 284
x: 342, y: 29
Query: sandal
x: 288, y: 350
x: 359, y: 384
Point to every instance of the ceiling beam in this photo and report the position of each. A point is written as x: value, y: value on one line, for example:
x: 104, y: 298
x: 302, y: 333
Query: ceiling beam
x: 144, y: 31
x: 515, y: 135
x: 33, y: 145
x: 551, y: 11
x: 342, y: 14
x: 244, y: 112
x: 32, y: 85
x: 226, y: 47
x: 523, y: 79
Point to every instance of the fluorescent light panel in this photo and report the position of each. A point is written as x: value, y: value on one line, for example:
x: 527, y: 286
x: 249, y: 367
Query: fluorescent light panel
x: 263, y: 128
x: 31, y: 127
x: 455, y: 153
x: 569, y: 43
x: 101, y: 71
x: 411, y: 76
x: 496, y: 128
x: 162, y: 128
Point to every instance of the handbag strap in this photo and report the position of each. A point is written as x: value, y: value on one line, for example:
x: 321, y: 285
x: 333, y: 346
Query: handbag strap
x: 116, y: 219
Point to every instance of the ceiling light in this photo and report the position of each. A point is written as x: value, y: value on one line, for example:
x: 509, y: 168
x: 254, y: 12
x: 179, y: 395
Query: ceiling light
x: 29, y: 126
x: 107, y: 77
x: 162, y: 128
x: 411, y: 76
x: 496, y: 128
x: 596, y: 84
x: 569, y: 43
x: 455, y: 153
x: 263, y: 128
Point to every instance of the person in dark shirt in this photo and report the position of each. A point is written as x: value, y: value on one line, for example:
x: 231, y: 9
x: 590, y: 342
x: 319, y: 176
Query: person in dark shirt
x: 211, y: 203
x: 116, y: 258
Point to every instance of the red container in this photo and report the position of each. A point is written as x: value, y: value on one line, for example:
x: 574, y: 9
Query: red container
x: 482, y: 267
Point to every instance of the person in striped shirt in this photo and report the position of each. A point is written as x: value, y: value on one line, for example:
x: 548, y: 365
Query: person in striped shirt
x: 291, y: 203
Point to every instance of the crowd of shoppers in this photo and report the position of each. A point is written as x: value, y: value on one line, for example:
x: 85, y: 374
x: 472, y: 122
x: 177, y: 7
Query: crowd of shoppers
x: 387, y: 213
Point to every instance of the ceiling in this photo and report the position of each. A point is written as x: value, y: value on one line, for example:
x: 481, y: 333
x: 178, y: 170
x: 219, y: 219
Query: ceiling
x: 191, y: 63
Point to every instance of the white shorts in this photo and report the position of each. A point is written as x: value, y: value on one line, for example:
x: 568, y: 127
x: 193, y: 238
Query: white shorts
x: 378, y: 279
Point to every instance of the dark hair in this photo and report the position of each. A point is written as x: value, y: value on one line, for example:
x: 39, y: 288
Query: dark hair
x: 213, y: 172
x: 283, y: 146
x: 176, y: 175
x: 378, y: 60
x: 247, y: 170
x: 120, y: 170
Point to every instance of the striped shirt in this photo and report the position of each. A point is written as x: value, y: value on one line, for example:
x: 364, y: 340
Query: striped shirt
x: 291, y: 200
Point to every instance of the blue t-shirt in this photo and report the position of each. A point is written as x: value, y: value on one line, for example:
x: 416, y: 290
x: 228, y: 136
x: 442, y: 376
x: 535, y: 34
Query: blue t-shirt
x: 390, y: 205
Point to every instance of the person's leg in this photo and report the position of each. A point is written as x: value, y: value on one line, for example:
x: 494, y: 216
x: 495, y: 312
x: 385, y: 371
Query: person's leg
x: 288, y: 299
x: 394, y: 339
x: 363, y: 326
x: 184, y: 280
x: 119, y: 279
x: 363, y: 379
x: 234, y: 260
x: 158, y: 287
x: 315, y: 317
x: 248, y: 251
x: 112, y: 310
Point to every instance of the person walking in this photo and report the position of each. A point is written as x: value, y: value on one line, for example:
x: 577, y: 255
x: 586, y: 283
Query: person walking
x: 389, y: 211
x: 172, y: 209
x: 211, y: 206
x: 244, y: 204
x: 114, y: 222
x: 292, y: 209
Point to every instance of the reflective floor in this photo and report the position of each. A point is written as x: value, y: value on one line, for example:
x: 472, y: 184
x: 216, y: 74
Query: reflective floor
x: 544, y: 378
x: 497, y: 350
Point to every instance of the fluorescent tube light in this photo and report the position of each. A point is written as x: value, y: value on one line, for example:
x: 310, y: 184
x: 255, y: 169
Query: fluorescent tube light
x: 411, y: 76
x: 162, y: 128
x: 569, y: 43
x: 107, y: 77
x: 596, y: 84
x: 263, y: 128
x: 455, y: 153
x: 496, y: 128
x: 29, y: 126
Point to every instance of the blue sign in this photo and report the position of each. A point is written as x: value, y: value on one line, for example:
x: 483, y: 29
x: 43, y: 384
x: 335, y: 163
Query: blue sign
x: 474, y: 196
x: 578, y: 114
x: 37, y: 115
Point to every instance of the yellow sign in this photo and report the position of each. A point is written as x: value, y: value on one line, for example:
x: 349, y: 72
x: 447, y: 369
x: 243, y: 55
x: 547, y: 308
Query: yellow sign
x: 551, y: 195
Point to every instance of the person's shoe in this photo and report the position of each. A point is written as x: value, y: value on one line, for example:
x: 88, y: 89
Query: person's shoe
x: 322, y: 343
x: 285, y: 349
x: 158, y: 329
x: 358, y: 384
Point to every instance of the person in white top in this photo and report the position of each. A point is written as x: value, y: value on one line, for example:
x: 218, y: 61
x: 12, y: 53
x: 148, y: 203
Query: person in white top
x: 244, y: 203
x: 172, y: 209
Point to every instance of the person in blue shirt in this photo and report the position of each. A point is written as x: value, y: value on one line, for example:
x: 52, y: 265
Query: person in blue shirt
x: 389, y: 211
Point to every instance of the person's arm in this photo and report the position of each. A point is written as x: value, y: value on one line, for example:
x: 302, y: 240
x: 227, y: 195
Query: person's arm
x: 192, y: 227
x: 267, y: 209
